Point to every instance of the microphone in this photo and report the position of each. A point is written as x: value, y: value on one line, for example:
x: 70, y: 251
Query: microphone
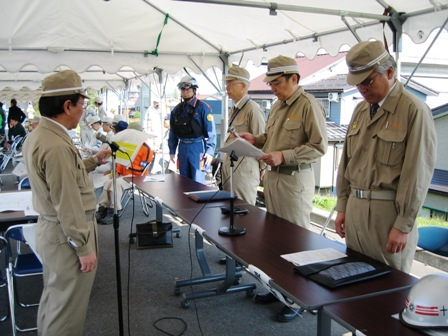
x: 113, y: 145
x: 232, y: 130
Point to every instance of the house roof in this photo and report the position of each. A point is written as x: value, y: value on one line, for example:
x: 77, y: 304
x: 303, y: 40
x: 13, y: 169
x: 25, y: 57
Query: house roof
x: 335, y: 132
x: 440, y: 111
x: 306, y: 68
x: 336, y: 83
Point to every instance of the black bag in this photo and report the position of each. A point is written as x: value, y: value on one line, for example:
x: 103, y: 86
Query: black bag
x: 154, y: 234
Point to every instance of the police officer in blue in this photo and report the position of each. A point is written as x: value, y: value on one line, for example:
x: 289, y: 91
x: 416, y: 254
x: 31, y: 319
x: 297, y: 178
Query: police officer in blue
x: 192, y: 129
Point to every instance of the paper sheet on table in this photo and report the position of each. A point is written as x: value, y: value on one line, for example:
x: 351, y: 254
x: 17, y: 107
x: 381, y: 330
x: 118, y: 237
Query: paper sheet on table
x: 29, y: 232
x: 155, y: 178
x: 313, y: 256
x: 242, y: 148
x: 17, y: 201
x: 431, y: 332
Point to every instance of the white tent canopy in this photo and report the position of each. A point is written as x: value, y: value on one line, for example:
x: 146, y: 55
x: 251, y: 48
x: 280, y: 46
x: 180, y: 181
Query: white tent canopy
x: 110, y: 42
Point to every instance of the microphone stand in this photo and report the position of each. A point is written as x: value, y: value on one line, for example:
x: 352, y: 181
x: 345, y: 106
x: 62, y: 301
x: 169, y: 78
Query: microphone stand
x: 232, y: 230
x: 117, y: 245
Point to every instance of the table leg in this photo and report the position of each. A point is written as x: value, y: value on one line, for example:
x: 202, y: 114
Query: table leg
x: 323, y: 323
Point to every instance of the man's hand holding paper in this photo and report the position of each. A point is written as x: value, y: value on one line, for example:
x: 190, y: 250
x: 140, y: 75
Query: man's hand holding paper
x: 242, y: 148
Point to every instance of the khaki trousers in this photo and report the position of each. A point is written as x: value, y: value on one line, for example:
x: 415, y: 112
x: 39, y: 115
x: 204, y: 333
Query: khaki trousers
x: 65, y: 297
x: 290, y: 196
x: 367, y: 227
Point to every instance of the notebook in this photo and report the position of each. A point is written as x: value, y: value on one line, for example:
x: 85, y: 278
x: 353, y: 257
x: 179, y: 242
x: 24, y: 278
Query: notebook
x: 209, y: 195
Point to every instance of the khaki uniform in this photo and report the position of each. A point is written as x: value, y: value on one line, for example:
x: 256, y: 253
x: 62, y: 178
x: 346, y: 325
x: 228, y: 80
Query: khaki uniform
x: 246, y: 175
x: 395, y: 151
x: 64, y: 198
x: 297, y: 128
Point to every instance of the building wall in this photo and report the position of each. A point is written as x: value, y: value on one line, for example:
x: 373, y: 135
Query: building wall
x: 441, y: 125
x: 324, y: 169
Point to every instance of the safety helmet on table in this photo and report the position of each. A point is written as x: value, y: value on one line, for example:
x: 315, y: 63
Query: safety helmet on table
x: 187, y: 82
x: 427, y: 303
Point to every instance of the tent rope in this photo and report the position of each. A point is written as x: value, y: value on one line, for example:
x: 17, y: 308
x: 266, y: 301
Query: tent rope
x: 155, y: 51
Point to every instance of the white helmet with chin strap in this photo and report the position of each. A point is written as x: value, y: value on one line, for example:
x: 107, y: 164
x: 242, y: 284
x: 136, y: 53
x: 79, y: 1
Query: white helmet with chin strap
x: 187, y: 82
x: 427, y: 303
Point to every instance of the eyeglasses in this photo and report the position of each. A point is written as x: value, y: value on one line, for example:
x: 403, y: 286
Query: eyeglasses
x: 275, y: 83
x: 367, y: 83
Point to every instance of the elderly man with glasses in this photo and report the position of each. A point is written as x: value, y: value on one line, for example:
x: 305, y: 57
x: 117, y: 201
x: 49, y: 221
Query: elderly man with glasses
x: 295, y: 137
x: 245, y: 116
x: 387, y: 162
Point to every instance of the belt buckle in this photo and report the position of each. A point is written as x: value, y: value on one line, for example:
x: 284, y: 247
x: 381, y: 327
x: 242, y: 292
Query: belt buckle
x: 363, y: 194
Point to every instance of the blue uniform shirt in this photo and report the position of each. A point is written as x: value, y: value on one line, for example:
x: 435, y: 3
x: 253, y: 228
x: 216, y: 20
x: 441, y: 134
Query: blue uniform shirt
x: 205, y: 117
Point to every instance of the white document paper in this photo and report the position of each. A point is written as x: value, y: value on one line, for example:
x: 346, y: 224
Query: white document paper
x: 17, y: 201
x: 155, y: 178
x: 20, y: 170
x: 29, y: 232
x: 313, y: 256
x: 242, y: 148
x: 431, y: 332
x: 172, y: 166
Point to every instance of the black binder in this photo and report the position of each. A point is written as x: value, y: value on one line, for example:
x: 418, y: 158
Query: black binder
x: 342, y: 271
x: 209, y: 195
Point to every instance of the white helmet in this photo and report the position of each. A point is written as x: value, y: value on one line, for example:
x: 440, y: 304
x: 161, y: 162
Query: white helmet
x: 427, y: 303
x: 98, y: 100
x: 187, y: 82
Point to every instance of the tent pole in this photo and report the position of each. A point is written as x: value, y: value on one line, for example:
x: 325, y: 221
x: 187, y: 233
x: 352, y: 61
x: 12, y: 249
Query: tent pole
x: 426, y: 52
x: 204, y: 74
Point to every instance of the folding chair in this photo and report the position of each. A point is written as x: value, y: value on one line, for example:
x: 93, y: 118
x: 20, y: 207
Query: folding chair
x: 3, y: 248
x: 327, y: 222
x: 12, y: 151
x: 24, y: 183
x: 19, y: 264
x: 128, y: 194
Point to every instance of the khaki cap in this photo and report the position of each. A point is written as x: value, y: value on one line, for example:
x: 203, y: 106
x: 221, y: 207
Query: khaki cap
x: 117, y: 118
x: 107, y: 120
x: 93, y: 119
x: 238, y: 73
x: 280, y: 65
x: 363, y: 58
x: 63, y: 83
x: 135, y: 125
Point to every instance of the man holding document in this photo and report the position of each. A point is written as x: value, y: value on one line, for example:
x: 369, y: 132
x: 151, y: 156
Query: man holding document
x: 245, y: 116
x: 295, y: 137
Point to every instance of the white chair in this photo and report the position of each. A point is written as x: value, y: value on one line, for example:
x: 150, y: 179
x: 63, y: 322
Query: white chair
x: 12, y: 151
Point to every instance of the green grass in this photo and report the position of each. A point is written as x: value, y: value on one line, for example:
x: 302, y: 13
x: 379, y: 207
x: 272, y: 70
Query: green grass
x: 327, y: 203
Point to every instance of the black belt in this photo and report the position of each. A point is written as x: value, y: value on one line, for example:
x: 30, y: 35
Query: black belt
x: 289, y: 170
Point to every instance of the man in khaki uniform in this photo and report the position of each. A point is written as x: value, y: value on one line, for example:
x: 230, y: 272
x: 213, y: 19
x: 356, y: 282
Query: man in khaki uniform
x: 295, y: 137
x: 387, y: 161
x: 66, y: 233
x: 245, y: 116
